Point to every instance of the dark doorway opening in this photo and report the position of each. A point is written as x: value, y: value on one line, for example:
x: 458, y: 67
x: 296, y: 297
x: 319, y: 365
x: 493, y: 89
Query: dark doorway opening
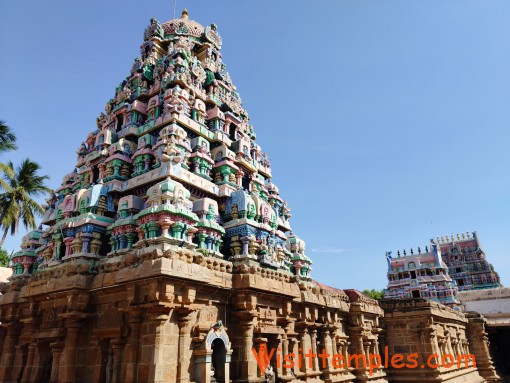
x: 416, y: 293
x: 499, y: 338
x: 219, y: 358
x: 413, y: 274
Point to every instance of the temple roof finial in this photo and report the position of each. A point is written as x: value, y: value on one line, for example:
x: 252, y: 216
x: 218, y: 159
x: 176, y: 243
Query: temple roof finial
x: 184, y: 14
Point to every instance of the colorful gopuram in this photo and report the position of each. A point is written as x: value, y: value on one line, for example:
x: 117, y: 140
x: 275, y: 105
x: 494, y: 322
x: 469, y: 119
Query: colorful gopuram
x: 173, y: 161
x: 467, y: 263
x: 420, y: 275
x: 166, y: 255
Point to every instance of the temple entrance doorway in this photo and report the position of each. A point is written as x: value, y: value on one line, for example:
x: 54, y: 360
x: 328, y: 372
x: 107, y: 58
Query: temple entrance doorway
x: 212, y: 358
x: 218, y: 359
x: 499, y: 338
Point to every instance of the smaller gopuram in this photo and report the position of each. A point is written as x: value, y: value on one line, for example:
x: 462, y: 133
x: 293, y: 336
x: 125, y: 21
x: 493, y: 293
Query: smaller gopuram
x: 420, y: 275
x: 467, y: 263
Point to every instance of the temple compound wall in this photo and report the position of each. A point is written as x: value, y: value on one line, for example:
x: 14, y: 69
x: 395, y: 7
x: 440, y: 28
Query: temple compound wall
x: 164, y: 314
x: 435, y: 343
x: 168, y: 314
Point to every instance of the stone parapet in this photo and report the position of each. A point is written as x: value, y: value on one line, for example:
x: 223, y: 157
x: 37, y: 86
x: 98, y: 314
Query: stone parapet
x: 427, y: 342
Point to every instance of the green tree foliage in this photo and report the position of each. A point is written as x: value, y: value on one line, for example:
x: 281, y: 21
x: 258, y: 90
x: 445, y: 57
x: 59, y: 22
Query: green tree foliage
x: 17, y: 205
x: 7, y: 142
x: 4, y: 258
x: 374, y: 294
x: 7, y: 138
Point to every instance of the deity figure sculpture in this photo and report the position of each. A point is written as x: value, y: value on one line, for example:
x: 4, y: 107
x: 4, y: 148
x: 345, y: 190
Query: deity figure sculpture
x: 154, y: 30
x: 171, y: 153
x: 137, y: 65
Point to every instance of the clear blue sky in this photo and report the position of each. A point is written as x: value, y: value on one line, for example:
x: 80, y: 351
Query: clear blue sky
x: 387, y: 122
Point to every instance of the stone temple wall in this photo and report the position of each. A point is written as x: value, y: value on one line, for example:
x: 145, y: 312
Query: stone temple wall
x: 173, y: 315
x: 436, y: 343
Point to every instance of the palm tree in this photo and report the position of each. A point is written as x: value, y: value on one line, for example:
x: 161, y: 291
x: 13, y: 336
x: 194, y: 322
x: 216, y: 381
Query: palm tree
x: 16, y: 203
x: 7, y: 138
x: 7, y: 142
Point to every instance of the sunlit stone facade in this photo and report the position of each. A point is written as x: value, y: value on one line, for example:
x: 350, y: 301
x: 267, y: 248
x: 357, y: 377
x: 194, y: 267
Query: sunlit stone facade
x: 167, y: 254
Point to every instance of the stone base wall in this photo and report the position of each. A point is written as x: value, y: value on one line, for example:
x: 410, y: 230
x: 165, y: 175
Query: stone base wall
x: 429, y: 342
x: 169, y: 315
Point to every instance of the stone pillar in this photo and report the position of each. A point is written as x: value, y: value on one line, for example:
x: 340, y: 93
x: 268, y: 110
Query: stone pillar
x: 239, y: 178
x: 130, y: 239
x: 26, y: 267
x: 248, y: 362
x: 20, y: 360
x: 245, y: 241
x: 8, y: 351
x: 101, y: 168
x: 315, y: 361
x: 122, y: 241
x: 3, y: 333
x: 184, y: 345
x: 479, y: 346
x: 293, y: 348
x: 346, y: 354
x: 278, y: 349
x: 85, y: 237
x: 32, y: 349
x: 366, y: 349
x: 164, y: 228
x: 67, y: 373
x: 56, y: 352
x: 113, y: 242
x: 67, y: 242
x: 326, y: 346
x: 117, y: 346
x: 131, y: 350
x: 285, y: 351
x: 302, y: 345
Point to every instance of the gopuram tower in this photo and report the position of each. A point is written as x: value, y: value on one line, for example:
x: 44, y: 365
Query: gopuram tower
x: 167, y: 255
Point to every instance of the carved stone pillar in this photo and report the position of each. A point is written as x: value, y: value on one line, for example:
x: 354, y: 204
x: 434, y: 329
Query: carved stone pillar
x: 67, y: 242
x: 326, y: 347
x: 285, y: 352
x: 8, y: 351
x: 248, y: 362
x: 32, y: 349
x: 303, y: 333
x: 68, y: 358
x: 130, y: 356
x: 20, y: 359
x: 367, y: 344
x: 117, y: 347
x: 184, y: 345
x: 479, y: 346
x: 154, y: 333
x: 56, y: 352
x: 164, y: 228
x: 294, y: 348
x: 315, y: 361
x: 245, y: 241
x: 85, y: 237
x: 346, y: 354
